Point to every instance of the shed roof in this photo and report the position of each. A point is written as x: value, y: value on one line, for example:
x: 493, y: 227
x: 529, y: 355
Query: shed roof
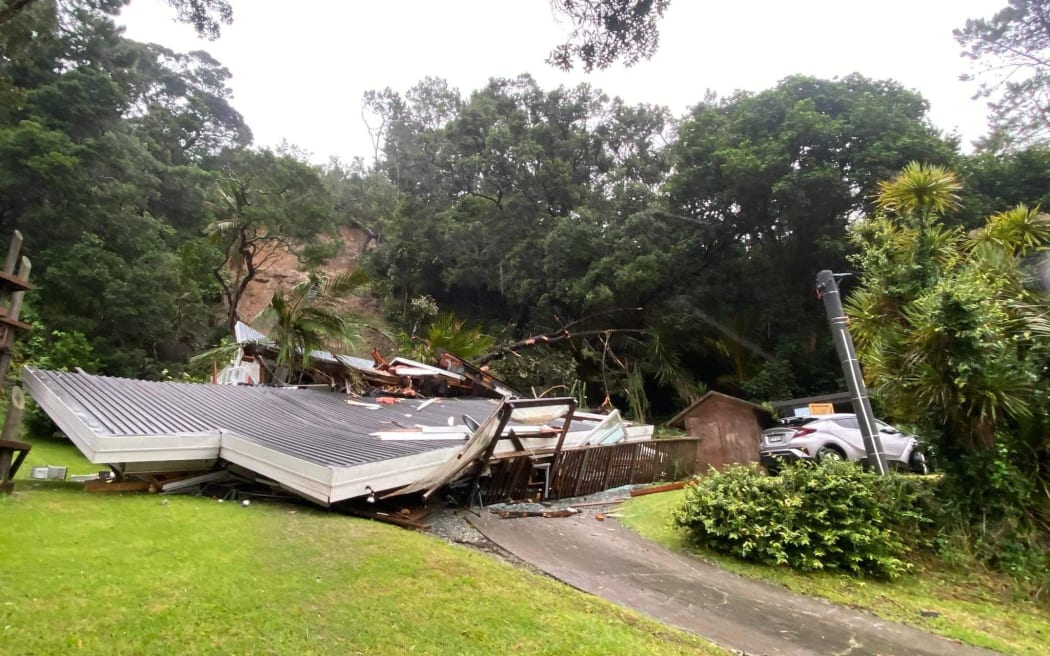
x: 678, y: 420
x: 837, y: 397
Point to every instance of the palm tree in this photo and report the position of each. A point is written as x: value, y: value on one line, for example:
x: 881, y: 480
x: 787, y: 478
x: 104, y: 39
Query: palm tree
x: 920, y: 190
x: 942, y: 319
x: 447, y: 333
x: 306, y: 318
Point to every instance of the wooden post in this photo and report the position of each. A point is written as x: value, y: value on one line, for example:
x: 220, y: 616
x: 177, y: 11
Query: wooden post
x: 12, y: 252
x: 582, y: 473
x: 13, y: 313
x: 8, y: 444
x: 13, y: 421
x: 555, y: 471
x: 634, y: 460
x: 12, y: 292
x: 24, y: 267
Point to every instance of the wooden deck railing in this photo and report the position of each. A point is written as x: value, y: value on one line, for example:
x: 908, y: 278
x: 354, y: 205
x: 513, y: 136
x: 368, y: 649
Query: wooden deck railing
x: 584, y: 470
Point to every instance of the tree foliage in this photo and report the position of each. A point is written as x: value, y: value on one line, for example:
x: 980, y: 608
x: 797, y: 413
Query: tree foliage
x: 264, y: 205
x: 205, y: 16
x: 604, y: 31
x: 764, y: 187
x: 952, y: 329
x: 307, y: 319
x: 530, y: 209
x: 1011, y: 55
x: 112, y: 156
x: 832, y: 515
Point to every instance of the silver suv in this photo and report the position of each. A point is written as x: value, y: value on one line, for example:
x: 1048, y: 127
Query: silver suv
x: 836, y: 436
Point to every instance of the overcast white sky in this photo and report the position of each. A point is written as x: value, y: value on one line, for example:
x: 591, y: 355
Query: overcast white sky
x: 299, y: 74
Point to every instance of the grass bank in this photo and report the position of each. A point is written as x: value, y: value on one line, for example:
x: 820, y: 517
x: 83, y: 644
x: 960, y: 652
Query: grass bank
x: 977, y: 608
x: 144, y: 574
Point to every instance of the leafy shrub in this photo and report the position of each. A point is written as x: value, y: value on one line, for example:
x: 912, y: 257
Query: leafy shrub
x: 831, y: 515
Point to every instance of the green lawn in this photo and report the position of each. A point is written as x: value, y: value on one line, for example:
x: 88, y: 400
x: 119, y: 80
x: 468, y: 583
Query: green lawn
x: 144, y: 574
x: 974, y: 607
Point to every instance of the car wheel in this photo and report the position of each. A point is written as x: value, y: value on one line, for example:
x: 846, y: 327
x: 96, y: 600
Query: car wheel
x: 829, y: 453
x: 918, y: 464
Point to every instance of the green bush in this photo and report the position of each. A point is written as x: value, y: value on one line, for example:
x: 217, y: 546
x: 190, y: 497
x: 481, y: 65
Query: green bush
x: 831, y: 515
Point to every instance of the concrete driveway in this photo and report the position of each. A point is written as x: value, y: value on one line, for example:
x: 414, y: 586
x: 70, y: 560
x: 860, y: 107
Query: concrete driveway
x: 610, y: 561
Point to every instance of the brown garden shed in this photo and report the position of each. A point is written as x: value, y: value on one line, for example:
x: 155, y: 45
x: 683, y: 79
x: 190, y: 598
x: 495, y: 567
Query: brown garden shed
x: 729, y: 429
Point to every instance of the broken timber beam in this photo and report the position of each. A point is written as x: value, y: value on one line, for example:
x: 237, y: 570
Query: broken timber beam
x: 512, y: 514
x: 396, y: 519
x: 587, y: 504
x: 118, y: 486
x: 660, y: 488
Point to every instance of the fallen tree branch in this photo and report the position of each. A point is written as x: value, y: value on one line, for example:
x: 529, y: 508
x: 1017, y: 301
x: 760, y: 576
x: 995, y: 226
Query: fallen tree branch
x: 549, y: 338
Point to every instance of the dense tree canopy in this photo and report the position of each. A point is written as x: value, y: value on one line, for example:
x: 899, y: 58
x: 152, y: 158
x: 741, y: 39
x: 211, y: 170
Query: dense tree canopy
x: 531, y: 208
x: 109, y: 153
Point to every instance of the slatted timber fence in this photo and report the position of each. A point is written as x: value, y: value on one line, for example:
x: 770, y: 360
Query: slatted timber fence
x: 585, y: 470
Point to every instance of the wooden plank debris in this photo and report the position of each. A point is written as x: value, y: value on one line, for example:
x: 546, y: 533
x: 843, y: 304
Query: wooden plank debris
x: 655, y: 489
x: 118, y: 486
x: 587, y: 504
x: 181, y: 484
x: 395, y: 518
x: 512, y: 514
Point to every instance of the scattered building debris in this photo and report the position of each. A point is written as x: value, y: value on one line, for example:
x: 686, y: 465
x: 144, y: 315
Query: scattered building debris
x: 255, y: 362
x: 588, y: 504
x: 48, y: 473
x: 838, y: 402
x: 512, y: 514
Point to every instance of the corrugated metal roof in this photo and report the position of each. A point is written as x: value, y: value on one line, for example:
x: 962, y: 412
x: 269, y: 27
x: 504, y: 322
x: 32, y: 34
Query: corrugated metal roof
x: 316, y: 426
x: 407, y: 367
x: 245, y: 334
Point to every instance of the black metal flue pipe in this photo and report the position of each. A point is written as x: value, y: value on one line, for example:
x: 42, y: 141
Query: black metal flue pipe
x: 828, y: 290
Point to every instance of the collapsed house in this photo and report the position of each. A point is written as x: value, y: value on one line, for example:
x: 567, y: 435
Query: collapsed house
x: 329, y: 448
x: 255, y: 362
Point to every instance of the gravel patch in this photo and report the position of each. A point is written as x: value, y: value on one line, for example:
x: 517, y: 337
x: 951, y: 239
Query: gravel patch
x: 450, y: 523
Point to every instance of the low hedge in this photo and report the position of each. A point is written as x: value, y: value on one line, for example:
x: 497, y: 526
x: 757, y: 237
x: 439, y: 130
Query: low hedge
x: 813, y: 516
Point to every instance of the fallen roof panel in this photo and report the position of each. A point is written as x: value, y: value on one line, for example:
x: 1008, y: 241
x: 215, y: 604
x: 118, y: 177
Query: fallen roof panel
x: 312, y: 442
x: 316, y: 426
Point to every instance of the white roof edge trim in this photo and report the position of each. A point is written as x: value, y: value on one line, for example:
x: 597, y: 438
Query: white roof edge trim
x: 115, y: 449
x: 75, y: 428
x: 149, y: 448
x: 351, y: 482
x: 611, y: 420
x: 306, y: 478
x: 324, y: 484
x: 640, y: 433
